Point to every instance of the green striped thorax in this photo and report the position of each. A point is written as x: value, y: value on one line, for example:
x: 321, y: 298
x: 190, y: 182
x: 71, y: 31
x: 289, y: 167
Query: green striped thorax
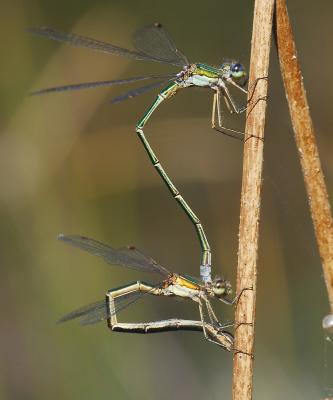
x: 208, y: 76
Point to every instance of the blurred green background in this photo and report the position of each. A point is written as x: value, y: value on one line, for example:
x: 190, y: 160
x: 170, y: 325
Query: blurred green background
x: 72, y: 163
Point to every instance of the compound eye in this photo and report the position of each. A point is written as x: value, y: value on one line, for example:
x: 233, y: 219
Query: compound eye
x: 237, y: 70
x: 219, y: 291
x: 219, y: 288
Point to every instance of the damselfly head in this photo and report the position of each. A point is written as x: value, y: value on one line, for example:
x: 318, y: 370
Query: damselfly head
x: 221, y: 287
x: 235, y: 71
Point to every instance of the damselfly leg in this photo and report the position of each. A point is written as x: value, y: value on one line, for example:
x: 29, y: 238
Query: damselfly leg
x: 217, y: 112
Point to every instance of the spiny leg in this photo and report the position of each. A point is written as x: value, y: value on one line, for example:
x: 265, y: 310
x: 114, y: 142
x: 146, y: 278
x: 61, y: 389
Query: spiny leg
x: 232, y: 107
x: 250, y: 104
x: 202, y: 319
x: 213, y: 318
x: 237, y: 351
x: 204, y: 324
x: 205, y: 267
x: 250, y: 90
x: 235, y: 299
x: 207, y: 337
x: 211, y: 313
x: 227, y: 103
x: 253, y: 87
x: 216, y: 109
x: 215, y: 322
x: 235, y: 108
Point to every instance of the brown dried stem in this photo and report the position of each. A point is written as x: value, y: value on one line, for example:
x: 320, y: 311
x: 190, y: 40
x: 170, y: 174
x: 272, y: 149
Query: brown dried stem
x: 250, y: 201
x: 306, y: 143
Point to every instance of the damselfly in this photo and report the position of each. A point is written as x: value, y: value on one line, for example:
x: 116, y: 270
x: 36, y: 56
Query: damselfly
x: 172, y: 285
x: 153, y: 43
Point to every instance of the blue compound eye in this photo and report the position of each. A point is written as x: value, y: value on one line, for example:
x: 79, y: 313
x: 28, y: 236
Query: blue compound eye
x: 237, y: 70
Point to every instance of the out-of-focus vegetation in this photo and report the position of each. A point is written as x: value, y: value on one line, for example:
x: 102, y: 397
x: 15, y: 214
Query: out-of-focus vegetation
x: 71, y: 163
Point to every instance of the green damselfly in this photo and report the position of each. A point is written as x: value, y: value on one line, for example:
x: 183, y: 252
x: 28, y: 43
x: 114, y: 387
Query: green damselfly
x: 172, y: 285
x: 153, y: 43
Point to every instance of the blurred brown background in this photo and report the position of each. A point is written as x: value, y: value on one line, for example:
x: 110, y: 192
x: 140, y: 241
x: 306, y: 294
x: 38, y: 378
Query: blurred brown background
x: 72, y: 163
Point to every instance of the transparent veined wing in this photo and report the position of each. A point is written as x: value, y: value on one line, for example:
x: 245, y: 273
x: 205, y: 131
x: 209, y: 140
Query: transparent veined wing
x: 94, y: 44
x: 127, y: 257
x: 137, y: 91
x: 157, y: 43
x: 91, y: 85
x: 99, y: 311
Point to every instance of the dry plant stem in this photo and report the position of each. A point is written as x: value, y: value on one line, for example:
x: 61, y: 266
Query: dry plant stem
x: 250, y: 202
x: 306, y: 143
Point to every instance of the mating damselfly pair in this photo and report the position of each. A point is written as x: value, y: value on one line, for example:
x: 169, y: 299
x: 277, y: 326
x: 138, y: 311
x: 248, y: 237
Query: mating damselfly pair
x: 153, y: 43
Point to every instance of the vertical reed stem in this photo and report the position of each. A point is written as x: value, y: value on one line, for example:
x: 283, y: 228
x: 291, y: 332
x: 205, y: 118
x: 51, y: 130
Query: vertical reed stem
x: 250, y: 201
x: 306, y: 143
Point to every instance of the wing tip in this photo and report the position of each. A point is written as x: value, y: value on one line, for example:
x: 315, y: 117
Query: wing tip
x: 37, y: 30
x: 34, y: 93
x: 38, y: 92
x: 32, y: 29
x: 62, y: 236
x: 63, y: 319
